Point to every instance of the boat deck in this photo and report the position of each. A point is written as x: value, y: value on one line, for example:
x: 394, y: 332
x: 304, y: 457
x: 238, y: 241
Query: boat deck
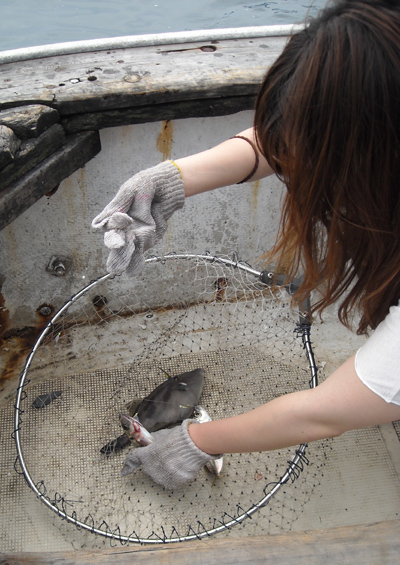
x: 347, y: 494
x: 344, y: 506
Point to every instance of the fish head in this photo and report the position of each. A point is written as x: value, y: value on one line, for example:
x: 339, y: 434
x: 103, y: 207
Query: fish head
x: 172, y: 401
x: 134, y: 430
x: 215, y: 466
x: 130, y: 426
x: 200, y: 414
x: 193, y: 381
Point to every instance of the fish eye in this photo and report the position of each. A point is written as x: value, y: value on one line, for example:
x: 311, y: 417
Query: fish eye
x: 125, y: 426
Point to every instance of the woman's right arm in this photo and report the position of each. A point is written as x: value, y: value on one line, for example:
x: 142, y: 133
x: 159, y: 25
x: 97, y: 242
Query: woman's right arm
x: 136, y: 218
x: 227, y: 163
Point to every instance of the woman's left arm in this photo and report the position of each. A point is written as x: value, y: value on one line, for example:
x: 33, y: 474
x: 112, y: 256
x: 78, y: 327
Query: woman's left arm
x: 339, y: 404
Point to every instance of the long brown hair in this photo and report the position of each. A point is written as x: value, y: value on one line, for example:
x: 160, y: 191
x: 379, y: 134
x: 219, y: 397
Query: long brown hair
x: 328, y: 122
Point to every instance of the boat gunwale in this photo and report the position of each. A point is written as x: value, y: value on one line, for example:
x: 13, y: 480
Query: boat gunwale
x: 146, y: 40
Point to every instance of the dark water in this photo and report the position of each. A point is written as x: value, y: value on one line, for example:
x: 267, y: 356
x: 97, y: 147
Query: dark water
x: 25, y: 23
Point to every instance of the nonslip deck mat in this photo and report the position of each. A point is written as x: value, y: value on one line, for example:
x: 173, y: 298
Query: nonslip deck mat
x: 69, y: 433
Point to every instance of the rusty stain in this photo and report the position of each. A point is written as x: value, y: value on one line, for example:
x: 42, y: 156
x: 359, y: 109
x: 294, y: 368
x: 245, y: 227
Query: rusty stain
x: 165, y: 139
x: 9, y: 370
x: 255, y: 192
x: 100, y: 303
x: 74, y: 204
x: 4, y: 317
x: 16, y: 343
x: 220, y: 285
x: 51, y: 192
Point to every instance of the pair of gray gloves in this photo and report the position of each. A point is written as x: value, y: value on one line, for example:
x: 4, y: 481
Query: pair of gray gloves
x: 133, y: 222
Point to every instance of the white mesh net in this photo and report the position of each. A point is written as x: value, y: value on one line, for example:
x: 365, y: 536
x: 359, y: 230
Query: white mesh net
x: 109, y: 345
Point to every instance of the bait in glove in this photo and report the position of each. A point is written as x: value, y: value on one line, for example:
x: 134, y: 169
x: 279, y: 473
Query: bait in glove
x: 215, y: 465
x: 134, y: 430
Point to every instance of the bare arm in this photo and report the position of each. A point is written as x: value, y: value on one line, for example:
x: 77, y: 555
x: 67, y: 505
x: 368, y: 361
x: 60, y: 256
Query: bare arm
x: 339, y: 404
x: 225, y: 164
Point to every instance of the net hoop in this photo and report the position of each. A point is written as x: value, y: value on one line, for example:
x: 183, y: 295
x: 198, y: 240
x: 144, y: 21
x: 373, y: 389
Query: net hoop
x: 295, y: 466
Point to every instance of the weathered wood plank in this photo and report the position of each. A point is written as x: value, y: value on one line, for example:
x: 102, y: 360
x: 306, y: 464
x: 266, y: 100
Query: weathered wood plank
x: 374, y: 544
x: 119, y: 87
x: 18, y: 197
x: 31, y: 153
x: 9, y: 145
x: 29, y: 121
x: 141, y: 76
x: 158, y: 112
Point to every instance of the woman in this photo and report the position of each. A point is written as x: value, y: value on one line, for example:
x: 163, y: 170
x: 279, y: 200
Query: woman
x: 327, y: 122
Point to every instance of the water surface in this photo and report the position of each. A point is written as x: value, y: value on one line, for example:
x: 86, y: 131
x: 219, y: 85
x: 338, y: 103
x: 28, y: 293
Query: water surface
x: 26, y: 23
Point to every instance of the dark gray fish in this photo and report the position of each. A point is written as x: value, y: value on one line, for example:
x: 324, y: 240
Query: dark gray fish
x: 172, y: 401
x: 44, y: 399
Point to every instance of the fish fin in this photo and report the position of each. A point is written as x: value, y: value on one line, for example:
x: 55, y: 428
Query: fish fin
x: 115, y: 445
x: 132, y: 406
x: 187, y: 410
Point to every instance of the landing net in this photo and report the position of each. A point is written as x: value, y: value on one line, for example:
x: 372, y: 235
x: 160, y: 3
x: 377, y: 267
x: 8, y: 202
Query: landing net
x: 111, y: 343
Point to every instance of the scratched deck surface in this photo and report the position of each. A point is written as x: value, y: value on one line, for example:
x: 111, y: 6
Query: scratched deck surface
x: 250, y: 354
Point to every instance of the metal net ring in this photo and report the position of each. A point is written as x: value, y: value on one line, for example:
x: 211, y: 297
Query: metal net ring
x: 227, y: 318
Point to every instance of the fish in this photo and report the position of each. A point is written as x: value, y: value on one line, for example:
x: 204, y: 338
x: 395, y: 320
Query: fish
x: 44, y: 399
x: 170, y: 402
x: 214, y: 466
x: 134, y: 430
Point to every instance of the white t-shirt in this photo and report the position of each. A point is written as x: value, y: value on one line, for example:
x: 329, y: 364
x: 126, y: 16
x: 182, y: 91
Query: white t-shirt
x: 378, y: 361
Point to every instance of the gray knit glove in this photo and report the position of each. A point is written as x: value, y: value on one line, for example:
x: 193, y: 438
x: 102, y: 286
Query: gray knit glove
x: 136, y: 218
x: 171, y: 460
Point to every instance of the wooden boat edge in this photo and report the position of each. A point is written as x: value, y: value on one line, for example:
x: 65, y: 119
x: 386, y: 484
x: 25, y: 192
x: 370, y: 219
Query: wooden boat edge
x: 371, y: 543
